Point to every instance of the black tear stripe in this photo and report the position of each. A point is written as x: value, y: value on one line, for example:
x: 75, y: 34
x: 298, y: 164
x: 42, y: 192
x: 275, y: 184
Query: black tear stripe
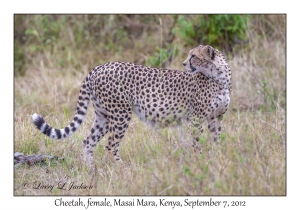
x: 193, y: 68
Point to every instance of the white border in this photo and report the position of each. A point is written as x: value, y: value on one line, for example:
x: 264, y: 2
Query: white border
x: 154, y: 6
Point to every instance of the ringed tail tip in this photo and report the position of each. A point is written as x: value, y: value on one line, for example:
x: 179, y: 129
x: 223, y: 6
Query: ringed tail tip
x: 37, y: 120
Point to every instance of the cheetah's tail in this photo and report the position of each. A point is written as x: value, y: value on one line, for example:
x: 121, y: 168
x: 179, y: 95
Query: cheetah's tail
x: 82, y: 106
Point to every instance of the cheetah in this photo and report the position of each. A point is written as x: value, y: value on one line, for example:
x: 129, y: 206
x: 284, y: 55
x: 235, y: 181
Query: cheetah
x: 159, y: 97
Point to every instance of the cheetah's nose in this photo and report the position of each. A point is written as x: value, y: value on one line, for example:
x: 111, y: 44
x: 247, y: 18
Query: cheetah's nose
x: 184, y: 64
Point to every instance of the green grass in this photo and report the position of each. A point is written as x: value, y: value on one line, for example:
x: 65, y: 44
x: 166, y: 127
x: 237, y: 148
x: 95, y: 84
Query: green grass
x: 250, y: 158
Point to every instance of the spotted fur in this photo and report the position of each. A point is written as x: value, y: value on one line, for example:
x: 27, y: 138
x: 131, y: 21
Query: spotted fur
x: 160, y: 97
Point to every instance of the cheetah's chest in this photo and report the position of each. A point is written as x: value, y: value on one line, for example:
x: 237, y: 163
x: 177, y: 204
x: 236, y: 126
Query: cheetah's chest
x: 222, y: 102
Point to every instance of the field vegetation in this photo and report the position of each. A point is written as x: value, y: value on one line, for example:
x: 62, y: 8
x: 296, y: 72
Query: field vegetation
x: 52, y: 55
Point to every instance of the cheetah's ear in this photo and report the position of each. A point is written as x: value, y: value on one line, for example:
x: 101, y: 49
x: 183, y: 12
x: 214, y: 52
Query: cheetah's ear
x: 210, y: 52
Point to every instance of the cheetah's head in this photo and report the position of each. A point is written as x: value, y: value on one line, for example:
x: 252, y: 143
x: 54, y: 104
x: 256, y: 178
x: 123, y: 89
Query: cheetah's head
x: 210, y: 62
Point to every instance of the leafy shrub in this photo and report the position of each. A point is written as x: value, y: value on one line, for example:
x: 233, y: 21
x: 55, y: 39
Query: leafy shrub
x: 221, y: 31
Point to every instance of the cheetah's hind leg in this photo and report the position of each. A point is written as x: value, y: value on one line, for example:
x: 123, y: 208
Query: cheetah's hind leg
x: 117, y: 131
x: 98, y: 130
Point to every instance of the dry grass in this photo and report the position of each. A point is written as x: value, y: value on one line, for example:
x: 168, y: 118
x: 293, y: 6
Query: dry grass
x: 249, y: 160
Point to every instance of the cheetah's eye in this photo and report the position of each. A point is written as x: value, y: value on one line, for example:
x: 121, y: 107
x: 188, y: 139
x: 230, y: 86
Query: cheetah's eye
x: 192, y: 55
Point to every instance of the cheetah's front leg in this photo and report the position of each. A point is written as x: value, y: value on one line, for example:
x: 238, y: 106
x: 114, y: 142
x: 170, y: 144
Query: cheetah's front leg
x: 214, y: 126
x: 196, y: 131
